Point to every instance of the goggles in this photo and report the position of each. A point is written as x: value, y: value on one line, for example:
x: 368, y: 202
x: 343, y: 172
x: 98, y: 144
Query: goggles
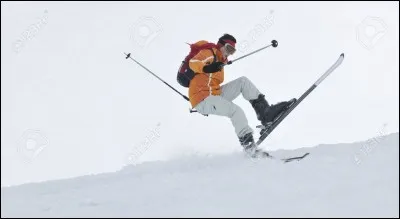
x: 229, y: 48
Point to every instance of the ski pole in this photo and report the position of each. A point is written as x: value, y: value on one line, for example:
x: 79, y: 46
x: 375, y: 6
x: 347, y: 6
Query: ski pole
x: 129, y: 56
x: 274, y: 43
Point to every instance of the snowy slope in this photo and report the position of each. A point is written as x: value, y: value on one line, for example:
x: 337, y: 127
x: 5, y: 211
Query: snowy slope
x: 353, y: 180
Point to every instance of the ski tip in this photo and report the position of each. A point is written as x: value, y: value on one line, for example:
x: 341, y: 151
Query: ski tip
x: 342, y: 55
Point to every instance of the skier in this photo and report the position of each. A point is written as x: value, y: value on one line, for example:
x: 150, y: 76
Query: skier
x: 207, y: 95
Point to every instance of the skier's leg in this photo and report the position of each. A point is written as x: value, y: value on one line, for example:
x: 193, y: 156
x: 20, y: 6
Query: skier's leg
x: 265, y: 113
x: 217, y: 105
x: 243, y: 86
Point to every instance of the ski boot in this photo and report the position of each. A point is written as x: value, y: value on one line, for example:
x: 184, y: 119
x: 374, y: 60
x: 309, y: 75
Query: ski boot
x: 250, y: 147
x: 268, y: 114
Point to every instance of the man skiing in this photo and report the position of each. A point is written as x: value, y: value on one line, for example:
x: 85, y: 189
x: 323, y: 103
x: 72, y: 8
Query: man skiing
x: 208, y: 96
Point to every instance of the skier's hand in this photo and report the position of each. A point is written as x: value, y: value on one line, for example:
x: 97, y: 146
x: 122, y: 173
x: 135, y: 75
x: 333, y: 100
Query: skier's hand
x: 214, y: 67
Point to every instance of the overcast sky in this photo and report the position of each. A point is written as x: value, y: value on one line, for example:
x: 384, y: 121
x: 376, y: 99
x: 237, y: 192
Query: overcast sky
x: 71, y: 104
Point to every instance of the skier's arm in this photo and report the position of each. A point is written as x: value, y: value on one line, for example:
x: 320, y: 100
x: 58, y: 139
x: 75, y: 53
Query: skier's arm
x: 197, y: 63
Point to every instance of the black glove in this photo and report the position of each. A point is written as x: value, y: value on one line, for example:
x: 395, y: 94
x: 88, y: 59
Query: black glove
x: 213, y: 67
x: 274, y: 43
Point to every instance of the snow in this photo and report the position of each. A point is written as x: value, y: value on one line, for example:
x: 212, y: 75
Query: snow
x: 358, y: 179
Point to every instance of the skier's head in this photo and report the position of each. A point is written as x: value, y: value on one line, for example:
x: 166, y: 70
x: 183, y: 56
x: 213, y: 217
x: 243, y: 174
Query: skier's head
x: 227, y: 43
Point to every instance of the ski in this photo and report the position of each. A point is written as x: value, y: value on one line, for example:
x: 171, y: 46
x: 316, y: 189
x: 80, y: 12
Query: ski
x: 263, y: 155
x: 289, y: 159
x: 265, y: 133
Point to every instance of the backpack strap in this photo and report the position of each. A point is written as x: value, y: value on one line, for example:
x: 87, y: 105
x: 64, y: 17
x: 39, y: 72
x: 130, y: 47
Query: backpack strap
x: 215, y: 57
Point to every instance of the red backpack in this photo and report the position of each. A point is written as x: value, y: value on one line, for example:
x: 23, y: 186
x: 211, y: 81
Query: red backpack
x: 185, y: 74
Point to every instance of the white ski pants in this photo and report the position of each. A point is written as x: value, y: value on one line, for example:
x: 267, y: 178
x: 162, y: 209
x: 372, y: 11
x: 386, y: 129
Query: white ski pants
x: 223, y: 106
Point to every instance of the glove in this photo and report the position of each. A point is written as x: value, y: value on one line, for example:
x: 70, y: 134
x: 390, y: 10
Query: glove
x: 214, y: 67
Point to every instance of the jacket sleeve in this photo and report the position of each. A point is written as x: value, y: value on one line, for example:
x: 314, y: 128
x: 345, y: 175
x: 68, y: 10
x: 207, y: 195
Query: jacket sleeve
x: 204, y: 57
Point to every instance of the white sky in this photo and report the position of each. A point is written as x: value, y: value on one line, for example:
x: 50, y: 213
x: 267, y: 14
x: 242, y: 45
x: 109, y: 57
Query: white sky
x: 66, y: 86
